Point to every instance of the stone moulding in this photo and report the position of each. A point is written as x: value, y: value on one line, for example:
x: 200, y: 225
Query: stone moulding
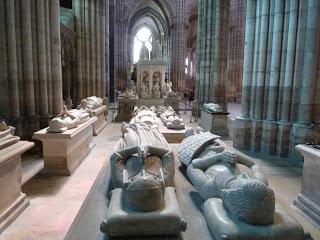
x: 12, y: 201
x: 63, y: 152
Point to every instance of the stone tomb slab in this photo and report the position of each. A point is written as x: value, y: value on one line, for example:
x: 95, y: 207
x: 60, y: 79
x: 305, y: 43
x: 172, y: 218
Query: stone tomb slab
x: 216, y: 123
x: 100, y: 114
x: 172, y: 135
x: 308, y: 201
x: 12, y: 200
x: 63, y: 152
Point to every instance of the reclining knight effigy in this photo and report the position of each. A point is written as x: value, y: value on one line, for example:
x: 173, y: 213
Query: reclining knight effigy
x: 170, y: 118
x: 239, y: 204
x: 143, y: 201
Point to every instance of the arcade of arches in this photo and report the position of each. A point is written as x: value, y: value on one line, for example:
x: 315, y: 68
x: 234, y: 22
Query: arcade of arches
x: 259, y: 60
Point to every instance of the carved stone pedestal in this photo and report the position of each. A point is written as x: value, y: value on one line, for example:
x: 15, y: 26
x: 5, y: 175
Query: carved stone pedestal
x: 63, y: 152
x: 12, y: 201
x: 308, y: 200
x: 216, y: 123
x: 101, y: 122
x: 125, y: 108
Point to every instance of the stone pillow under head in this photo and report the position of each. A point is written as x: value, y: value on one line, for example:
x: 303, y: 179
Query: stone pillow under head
x: 191, y: 146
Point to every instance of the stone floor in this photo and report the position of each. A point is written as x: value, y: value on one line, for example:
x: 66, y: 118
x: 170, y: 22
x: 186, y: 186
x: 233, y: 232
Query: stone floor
x: 55, y: 201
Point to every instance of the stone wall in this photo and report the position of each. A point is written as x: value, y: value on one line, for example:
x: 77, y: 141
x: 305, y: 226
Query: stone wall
x: 280, y: 91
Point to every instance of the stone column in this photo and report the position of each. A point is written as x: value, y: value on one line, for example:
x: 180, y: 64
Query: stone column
x: 98, y: 48
x: 87, y: 46
x: 13, y: 85
x: 311, y: 55
x: 105, y: 46
x: 93, y: 76
x: 4, y: 101
x: 248, y: 59
x: 27, y: 66
x: 79, y: 10
x: 179, y: 47
x: 56, y: 56
x: 212, y: 61
x: 48, y: 56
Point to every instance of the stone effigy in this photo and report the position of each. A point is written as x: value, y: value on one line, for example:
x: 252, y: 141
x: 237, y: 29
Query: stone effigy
x: 145, y: 115
x: 156, y: 52
x: 90, y: 103
x: 142, y: 171
x: 81, y: 114
x: 239, y: 203
x: 7, y: 137
x: 213, y: 107
x: 96, y: 108
x: 64, y: 121
x: 171, y: 119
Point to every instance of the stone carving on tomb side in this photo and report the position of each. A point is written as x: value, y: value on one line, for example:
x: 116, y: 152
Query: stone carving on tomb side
x: 7, y: 137
x: 156, y: 90
x: 64, y: 121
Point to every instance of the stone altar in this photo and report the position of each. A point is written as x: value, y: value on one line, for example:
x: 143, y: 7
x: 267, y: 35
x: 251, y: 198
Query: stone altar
x: 12, y: 200
x: 125, y: 108
x: 63, y: 152
x: 308, y: 201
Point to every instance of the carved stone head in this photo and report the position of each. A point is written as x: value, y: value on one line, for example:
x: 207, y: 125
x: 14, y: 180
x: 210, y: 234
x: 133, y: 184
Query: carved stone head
x: 250, y: 201
x: 144, y: 192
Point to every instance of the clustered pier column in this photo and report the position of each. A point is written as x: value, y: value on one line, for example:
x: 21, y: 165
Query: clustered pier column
x: 31, y: 75
x: 280, y: 100
x: 212, y: 53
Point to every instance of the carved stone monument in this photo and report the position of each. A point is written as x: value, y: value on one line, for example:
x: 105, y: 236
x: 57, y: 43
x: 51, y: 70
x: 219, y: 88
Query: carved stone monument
x: 239, y: 203
x: 64, y: 151
x: 95, y: 107
x: 12, y: 200
x: 142, y: 172
x: 213, y: 119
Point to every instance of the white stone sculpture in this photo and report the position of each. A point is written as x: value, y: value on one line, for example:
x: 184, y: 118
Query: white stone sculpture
x: 7, y: 137
x: 144, y: 115
x: 64, y: 121
x: 156, y: 90
x: 144, y: 52
x: 156, y: 50
x: 90, y: 103
x: 167, y: 90
x: 144, y: 90
x: 171, y: 119
x: 131, y: 91
x: 82, y: 114
x: 213, y: 107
